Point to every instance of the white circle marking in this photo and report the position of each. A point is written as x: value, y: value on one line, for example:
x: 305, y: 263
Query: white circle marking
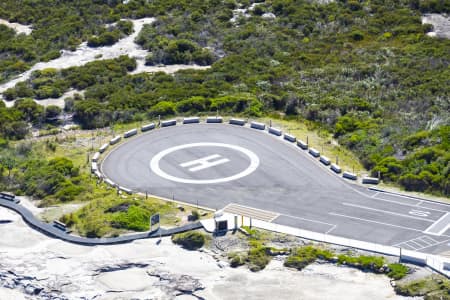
x: 254, y: 163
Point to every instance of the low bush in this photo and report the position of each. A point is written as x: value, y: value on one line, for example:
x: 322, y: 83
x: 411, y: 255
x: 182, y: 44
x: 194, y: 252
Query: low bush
x: 191, y: 240
x: 397, y: 271
x: 301, y: 257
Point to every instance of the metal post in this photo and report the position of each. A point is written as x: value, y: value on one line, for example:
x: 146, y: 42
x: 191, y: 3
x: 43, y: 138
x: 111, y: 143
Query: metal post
x: 270, y: 123
x: 307, y: 143
x: 337, y: 160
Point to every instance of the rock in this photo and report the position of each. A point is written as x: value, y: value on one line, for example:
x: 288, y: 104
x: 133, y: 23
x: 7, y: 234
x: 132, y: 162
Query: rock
x: 180, y: 208
x: 222, y: 264
x: 183, y: 283
x: 32, y: 290
x: 393, y: 283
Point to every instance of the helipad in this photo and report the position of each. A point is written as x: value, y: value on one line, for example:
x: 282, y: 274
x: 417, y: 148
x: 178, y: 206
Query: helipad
x: 214, y: 165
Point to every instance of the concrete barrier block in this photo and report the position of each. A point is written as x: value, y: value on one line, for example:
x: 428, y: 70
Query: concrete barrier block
x: 96, y: 157
x: 7, y: 196
x: 446, y: 266
x: 148, y: 127
x: 94, y: 167
x: 370, y: 180
x: 349, y: 175
x: 421, y: 261
x: 130, y: 133
x: 302, y: 144
x: 115, y: 140
x: 98, y: 174
x: 335, y: 168
x: 124, y: 189
x: 258, y: 125
x: 290, y: 138
x: 214, y: 120
x: 325, y: 160
x: 168, y: 123
x: 191, y: 120
x: 239, y: 122
x: 110, y: 182
x: 314, y: 152
x: 275, y: 131
x: 103, y: 148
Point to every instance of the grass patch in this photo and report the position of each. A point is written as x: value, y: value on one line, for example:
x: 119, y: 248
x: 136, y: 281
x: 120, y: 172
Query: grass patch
x: 435, y: 287
x: 397, y: 271
x: 303, y: 256
x: 319, y: 139
x: 109, y: 214
x: 191, y: 240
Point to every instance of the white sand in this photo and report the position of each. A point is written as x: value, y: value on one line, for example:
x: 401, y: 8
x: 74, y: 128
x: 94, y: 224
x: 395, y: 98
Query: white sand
x: 76, y: 271
x: 19, y: 28
x: 441, y: 24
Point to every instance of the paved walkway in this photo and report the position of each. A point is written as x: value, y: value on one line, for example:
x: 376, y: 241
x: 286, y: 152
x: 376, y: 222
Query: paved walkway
x: 54, y: 232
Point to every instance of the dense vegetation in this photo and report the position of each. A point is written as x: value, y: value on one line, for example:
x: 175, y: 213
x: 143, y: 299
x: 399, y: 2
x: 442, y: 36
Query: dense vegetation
x: 433, y: 287
x: 25, y: 171
x: 261, y: 251
x: 364, y: 70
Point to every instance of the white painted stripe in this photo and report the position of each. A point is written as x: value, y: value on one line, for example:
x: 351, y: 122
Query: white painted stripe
x: 410, y: 246
x: 410, y: 205
x: 376, y: 222
x: 331, y: 229
x: 422, y: 240
x: 438, y: 243
x: 414, y: 241
x: 309, y: 220
x: 431, y: 230
x: 209, y: 165
x: 387, y: 212
x: 199, y: 161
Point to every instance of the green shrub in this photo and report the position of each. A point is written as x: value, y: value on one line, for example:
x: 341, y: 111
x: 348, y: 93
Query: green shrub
x: 191, y: 240
x: 303, y: 256
x: 237, y: 259
x: 258, y: 257
x: 398, y: 271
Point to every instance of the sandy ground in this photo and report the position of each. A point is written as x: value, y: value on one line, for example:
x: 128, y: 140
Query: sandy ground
x: 441, y: 24
x: 148, y: 269
x: 19, y: 28
x: 85, y: 54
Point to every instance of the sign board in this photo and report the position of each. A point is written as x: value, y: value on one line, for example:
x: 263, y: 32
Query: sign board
x: 154, y: 219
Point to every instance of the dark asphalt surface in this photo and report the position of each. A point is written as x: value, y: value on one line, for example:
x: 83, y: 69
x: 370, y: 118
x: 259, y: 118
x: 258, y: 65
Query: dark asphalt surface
x: 287, y: 181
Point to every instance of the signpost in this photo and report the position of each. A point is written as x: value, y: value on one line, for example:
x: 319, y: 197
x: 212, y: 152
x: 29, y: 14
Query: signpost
x: 154, y: 219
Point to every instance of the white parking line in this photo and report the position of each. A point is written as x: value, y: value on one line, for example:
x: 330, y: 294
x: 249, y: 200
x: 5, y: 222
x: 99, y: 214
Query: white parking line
x: 410, y: 243
x: 313, y: 221
x: 410, y: 205
x: 407, y: 244
x: 414, y: 241
x: 423, y: 240
x: 376, y: 222
x: 387, y: 212
x: 440, y: 226
x: 374, y: 195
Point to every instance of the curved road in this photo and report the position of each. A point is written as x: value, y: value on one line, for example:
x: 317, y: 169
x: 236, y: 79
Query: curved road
x: 52, y: 231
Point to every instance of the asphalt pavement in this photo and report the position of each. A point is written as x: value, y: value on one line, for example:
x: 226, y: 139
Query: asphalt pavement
x: 215, y: 165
